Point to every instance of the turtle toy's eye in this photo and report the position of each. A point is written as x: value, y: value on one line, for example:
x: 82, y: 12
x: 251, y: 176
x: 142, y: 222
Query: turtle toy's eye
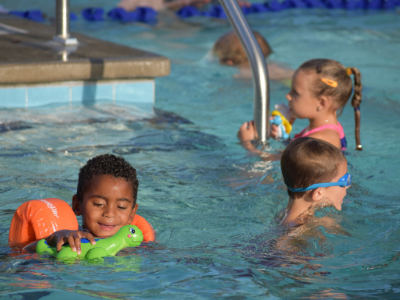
x: 132, y: 230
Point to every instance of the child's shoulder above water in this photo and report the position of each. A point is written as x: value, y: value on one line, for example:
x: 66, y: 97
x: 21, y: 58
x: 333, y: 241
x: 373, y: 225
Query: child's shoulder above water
x: 315, y: 174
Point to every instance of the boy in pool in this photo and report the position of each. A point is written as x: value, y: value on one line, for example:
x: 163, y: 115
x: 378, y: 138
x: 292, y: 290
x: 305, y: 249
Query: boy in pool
x: 315, y: 173
x: 230, y: 52
x: 105, y: 198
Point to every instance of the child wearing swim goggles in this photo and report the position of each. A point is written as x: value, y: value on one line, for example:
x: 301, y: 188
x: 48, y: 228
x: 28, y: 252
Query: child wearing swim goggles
x: 320, y: 90
x: 315, y: 174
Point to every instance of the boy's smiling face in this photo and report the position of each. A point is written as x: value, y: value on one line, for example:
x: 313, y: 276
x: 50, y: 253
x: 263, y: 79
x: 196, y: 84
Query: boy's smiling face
x: 107, y: 205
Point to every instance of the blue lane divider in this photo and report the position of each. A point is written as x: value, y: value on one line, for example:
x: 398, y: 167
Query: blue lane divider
x: 149, y: 15
x: 73, y: 17
x: 216, y: 11
x: 93, y: 14
x: 146, y: 14
x: 141, y: 14
x: 34, y: 15
x: 120, y: 14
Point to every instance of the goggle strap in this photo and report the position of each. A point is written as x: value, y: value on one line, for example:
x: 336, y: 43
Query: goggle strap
x: 343, y: 182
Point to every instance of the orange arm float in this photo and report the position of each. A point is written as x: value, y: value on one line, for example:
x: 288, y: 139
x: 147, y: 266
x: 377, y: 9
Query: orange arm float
x: 149, y: 235
x: 37, y: 219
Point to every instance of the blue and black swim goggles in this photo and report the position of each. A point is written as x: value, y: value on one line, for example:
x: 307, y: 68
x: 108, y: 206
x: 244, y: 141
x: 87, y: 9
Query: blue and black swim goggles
x: 344, y: 181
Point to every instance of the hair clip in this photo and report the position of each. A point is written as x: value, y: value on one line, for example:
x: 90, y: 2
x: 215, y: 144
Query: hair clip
x: 349, y: 71
x: 329, y: 82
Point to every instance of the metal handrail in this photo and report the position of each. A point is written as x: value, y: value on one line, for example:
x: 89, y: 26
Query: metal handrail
x: 62, y: 24
x: 258, y: 66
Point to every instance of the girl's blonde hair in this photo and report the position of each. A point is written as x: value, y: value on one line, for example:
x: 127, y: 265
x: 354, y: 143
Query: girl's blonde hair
x: 334, y: 80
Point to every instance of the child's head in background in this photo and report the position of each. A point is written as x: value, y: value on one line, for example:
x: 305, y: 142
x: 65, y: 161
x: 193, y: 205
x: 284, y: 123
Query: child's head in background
x: 106, y: 195
x: 315, y: 172
x: 230, y: 51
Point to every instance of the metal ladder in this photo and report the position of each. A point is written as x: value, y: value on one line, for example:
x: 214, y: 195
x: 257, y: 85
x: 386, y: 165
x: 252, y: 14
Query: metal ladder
x: 62, y: 24
x: 257, y: 63
x: 247, y: 38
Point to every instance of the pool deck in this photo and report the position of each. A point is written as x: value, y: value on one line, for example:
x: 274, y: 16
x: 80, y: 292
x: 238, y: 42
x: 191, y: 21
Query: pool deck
x: 29, y: 56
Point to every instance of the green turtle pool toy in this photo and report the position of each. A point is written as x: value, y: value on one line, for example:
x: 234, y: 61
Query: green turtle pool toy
x: 127, y: 236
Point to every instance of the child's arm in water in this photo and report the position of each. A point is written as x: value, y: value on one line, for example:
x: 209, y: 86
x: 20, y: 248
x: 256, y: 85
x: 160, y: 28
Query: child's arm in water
x: 246, y: 134
x: 61, y: 237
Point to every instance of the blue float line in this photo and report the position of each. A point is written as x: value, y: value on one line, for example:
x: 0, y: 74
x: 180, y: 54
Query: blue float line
x: 140, y: 14
x: 94, y: 14
x: 217, y: 11
x: 34, y: 15
x: 149, y: 15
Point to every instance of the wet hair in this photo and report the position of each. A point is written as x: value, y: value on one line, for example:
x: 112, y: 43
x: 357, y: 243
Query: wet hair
x: 228, y: 47
x: 106, y: 164
x: 333, y: 70
x: 307, y: 161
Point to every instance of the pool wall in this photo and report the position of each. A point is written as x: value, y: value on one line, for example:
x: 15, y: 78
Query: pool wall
x: 77, y: 93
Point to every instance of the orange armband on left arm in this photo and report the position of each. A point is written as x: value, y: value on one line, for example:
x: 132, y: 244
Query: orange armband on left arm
x: 37, y: 219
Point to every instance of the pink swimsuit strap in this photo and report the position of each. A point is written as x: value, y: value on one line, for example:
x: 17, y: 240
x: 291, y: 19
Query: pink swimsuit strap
x: 338, y: 128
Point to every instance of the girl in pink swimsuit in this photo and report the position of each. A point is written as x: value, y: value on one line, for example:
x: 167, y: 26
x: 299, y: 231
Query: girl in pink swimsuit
x: 338, y: 128
x: 320, y: 88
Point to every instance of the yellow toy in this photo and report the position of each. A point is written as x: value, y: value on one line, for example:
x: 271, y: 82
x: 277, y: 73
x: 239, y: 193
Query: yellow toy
x: 282, y: 117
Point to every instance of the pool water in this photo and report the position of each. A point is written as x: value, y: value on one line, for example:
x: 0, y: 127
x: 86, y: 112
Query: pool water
x: 213, y: 205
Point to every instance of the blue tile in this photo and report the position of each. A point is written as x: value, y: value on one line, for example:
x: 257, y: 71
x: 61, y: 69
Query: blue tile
x: 38, y: 96
x: 13, y: 97
x: 89, y: 94
x: 135, y: 92
x: 79, y: 93
x: 104, y: 92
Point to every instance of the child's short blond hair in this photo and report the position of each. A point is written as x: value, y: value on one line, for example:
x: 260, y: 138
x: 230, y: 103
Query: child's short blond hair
x: 229, y: 48
x: 307, y: 161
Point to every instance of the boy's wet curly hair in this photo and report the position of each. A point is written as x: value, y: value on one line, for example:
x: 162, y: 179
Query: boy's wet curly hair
x: 106, y: 164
